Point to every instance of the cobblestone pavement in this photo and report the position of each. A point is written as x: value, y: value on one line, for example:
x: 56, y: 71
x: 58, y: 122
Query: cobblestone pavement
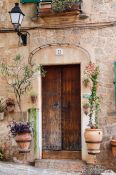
x: 18, y: 169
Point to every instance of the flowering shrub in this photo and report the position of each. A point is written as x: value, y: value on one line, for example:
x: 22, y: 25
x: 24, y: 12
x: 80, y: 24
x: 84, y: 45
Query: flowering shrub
x: 92, y: 73
x: 20, y: 127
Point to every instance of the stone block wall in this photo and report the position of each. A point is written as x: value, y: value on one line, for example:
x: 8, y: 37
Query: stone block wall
x: 100, y: 43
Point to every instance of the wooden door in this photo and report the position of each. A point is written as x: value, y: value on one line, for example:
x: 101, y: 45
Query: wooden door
x: 51, y: 103
x: 70, y: 99
x: 61, y: 114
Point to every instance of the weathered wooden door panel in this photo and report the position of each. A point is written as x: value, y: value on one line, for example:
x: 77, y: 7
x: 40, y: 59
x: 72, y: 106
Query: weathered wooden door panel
x: 71, y: 124
x: 61, y: 108
x: 51, y: 116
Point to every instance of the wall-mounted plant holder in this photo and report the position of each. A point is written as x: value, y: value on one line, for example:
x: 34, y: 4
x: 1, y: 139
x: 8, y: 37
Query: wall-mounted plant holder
x: 33, y: 97
x: 1, y: 116
x: 113, y: 144
x: 10, y: 105
x: 86, y: 108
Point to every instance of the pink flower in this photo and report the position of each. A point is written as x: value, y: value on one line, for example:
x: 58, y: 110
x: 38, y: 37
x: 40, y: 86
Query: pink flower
x: 90, y: 69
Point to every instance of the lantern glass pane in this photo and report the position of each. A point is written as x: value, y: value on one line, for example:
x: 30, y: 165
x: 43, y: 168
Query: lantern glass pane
x: 15, y: 18
x: 21, y: 19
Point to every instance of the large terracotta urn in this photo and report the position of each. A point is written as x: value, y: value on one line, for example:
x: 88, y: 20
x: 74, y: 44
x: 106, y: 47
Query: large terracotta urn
x: 93, y: 138
x: 113, y: 144
x: 23, y: 140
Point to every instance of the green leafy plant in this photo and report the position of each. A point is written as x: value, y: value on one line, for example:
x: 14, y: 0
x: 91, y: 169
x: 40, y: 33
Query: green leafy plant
x: 64, y: 5
x: 92, y: 72
x: 19, y: 75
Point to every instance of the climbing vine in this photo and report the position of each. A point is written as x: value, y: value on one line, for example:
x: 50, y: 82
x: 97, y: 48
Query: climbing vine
x: 92, y: 73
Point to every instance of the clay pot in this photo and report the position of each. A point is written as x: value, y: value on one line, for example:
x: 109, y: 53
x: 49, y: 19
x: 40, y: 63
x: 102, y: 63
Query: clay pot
x: 23, y: 140
x: 113, y: 143
x: 33, y: 99
x: 10, y: 105
x: 93, y: 138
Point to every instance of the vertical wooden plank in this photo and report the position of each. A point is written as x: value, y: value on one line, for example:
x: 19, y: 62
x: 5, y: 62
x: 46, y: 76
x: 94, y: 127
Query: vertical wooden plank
x: 71, y: 110
x: 51, y: 107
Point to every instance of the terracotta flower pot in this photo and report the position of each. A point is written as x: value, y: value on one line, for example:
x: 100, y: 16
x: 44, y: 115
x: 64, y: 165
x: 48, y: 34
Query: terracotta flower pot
x: 23, y: 140
x: 93, y: 138
x: 113, y: 143
x: 33, y: 99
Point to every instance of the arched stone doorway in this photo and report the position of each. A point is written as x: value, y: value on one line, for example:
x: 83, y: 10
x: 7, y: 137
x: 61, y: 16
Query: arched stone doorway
x: 48, y: 56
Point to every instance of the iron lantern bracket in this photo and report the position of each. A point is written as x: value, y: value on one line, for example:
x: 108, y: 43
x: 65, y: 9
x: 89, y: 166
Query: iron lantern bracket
x: 23, y: 37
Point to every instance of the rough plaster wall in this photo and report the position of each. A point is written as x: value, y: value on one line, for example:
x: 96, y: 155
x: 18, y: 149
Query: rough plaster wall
x: 100, y: 43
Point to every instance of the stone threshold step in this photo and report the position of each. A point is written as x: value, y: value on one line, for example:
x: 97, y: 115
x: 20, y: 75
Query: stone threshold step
x: 61, y: 165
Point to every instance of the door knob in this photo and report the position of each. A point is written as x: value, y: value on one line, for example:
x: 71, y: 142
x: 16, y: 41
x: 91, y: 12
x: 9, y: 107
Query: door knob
x: 56, y: 106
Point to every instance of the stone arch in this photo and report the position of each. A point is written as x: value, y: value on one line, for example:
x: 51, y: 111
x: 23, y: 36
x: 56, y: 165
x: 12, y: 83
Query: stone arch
x: 45, y: 54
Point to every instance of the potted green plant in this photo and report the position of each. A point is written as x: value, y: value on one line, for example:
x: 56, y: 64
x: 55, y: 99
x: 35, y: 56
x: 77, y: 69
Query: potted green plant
x: 93, y: 135
x: 2, y: 108
x: 18, y: 76
x: 59, y: 6
x: 22, y: 131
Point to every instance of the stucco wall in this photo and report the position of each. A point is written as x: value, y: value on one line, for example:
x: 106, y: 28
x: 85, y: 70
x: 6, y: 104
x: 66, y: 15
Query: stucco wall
x: 99, y: 43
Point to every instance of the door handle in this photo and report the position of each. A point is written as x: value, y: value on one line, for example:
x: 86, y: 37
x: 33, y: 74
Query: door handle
x: 56, y: 106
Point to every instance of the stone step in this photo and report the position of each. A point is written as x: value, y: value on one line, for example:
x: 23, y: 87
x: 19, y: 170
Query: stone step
x: 61, y: 165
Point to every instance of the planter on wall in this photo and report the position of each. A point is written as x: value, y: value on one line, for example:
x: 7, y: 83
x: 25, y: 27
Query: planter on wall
x: 113, y: 144
x: 93, y: 138
x: 33, y: 99
x: 23, y: 140
x: 10, y: 105
x: 59, y: 18
x: 52, y: 17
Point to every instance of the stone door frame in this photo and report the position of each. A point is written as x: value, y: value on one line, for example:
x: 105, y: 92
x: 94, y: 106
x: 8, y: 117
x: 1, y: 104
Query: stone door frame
x: 45, y: 55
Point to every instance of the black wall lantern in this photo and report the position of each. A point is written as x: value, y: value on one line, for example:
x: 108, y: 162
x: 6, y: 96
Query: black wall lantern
x: 16, y: 18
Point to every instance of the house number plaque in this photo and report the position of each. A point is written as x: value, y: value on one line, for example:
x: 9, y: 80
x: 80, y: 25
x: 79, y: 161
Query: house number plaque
x: 59, y: 51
